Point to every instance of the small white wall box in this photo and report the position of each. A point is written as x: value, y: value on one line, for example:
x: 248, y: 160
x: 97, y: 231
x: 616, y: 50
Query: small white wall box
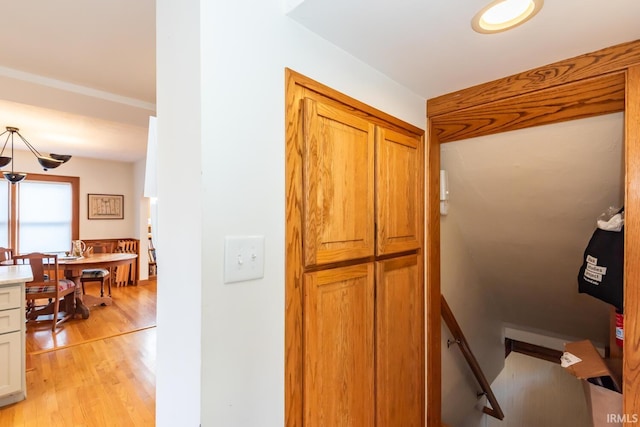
x: 444, y: 192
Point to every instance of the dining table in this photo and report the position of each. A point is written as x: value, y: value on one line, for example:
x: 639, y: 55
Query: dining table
x: 73, y: 267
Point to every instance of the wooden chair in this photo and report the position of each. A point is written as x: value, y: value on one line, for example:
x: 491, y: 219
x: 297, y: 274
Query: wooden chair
x: 5, y: 254
x: 47, y: 285
x: 126, y: 274
x: 101, y: 275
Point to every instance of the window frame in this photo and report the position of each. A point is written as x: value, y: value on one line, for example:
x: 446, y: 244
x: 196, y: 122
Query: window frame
x: 14, y: 193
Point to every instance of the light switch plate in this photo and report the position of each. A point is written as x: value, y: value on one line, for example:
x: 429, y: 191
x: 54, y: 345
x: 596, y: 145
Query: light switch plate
x: 243, y: 258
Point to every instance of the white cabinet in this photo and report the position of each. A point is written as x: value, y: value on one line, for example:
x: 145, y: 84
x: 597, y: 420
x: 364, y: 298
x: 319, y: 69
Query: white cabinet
x: 11, y: 366
x: 12, y: 331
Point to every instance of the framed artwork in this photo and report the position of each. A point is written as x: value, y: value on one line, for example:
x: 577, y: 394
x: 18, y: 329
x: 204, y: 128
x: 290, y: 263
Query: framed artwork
x: 105, y: 206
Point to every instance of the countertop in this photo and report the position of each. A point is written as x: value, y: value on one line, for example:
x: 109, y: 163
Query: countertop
x: 12, y: 274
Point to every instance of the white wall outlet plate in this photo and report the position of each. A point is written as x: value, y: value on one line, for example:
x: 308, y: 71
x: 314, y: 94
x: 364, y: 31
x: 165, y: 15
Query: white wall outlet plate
x: 243, y: 258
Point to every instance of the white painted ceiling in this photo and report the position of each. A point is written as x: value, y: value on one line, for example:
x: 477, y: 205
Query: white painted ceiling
x: 429, y: 46
x: 78, y: 77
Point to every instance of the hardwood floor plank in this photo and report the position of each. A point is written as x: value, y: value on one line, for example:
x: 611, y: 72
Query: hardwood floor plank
x: 95, y: 372
x: 133, y: 308
x: 105, y: 382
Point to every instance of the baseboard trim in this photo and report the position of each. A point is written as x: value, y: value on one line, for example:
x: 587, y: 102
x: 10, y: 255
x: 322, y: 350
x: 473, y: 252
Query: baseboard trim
x: 532, y: 350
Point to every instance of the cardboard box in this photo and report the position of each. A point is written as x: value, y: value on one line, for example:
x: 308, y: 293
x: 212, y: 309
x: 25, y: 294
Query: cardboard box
x: 602, y: 384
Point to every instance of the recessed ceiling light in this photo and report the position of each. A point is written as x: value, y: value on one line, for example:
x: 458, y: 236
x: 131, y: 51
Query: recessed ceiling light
x: 501, y: 15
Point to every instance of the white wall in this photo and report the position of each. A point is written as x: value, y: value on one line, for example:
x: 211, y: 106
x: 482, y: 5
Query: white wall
x: 245, y: 48
x: 96, y: 176
x: 480, y: 319
x: 179, y: 320
x: 498, y: 236
x: 527, y: 203
x: 142, y: 217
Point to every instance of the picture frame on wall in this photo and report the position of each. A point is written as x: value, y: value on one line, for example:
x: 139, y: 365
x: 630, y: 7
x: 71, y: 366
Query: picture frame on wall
x: 105, y: 206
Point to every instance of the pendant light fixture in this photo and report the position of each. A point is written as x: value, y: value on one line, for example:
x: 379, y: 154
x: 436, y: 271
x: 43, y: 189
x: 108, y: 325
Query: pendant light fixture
x: 51, y: 161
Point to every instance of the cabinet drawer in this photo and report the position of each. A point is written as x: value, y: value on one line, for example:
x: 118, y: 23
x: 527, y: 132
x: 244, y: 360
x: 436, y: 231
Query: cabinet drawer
x: 9, y: 320
x: 10, y: 297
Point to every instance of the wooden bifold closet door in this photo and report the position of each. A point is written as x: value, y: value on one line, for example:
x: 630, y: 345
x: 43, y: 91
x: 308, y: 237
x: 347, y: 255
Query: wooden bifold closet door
x: 338, y: 185
x: 362, y: 298
x: 339, y: 348
x: 399, y: 342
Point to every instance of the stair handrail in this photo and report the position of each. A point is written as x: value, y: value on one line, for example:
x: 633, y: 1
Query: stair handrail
x: 495, y: 410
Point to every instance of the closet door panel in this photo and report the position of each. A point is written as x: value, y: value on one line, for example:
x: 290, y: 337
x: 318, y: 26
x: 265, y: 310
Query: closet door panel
x: 338, y: 359
x: 399, y: 342
x: 338, y: 167
x: 399, y: 176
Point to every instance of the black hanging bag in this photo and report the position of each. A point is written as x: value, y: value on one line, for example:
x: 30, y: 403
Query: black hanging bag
x: 601, y: 274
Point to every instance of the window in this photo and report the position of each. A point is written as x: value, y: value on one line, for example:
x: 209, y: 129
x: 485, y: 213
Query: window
x: 39, y: 214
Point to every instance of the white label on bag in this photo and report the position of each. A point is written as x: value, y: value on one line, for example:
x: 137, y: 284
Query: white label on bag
x: 592, y: 260
x: 596, y: 269
x: 593, y: 276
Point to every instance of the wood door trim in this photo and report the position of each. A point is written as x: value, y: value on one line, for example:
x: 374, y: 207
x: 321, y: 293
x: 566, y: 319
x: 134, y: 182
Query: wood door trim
x: 576, y: 100
x: 579, y: 75
x: 608, y: 60
x: 354, y: 106
x: 630, y: 351
x: 432, y: 277
x: 293, y: 254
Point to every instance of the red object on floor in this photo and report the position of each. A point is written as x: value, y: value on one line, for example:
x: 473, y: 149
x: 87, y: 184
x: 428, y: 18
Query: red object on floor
x: 619, y: 328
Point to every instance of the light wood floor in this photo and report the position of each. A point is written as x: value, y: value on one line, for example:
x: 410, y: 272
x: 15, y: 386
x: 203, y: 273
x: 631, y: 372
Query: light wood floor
x: 94, y: 372
x: 133, y: 308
